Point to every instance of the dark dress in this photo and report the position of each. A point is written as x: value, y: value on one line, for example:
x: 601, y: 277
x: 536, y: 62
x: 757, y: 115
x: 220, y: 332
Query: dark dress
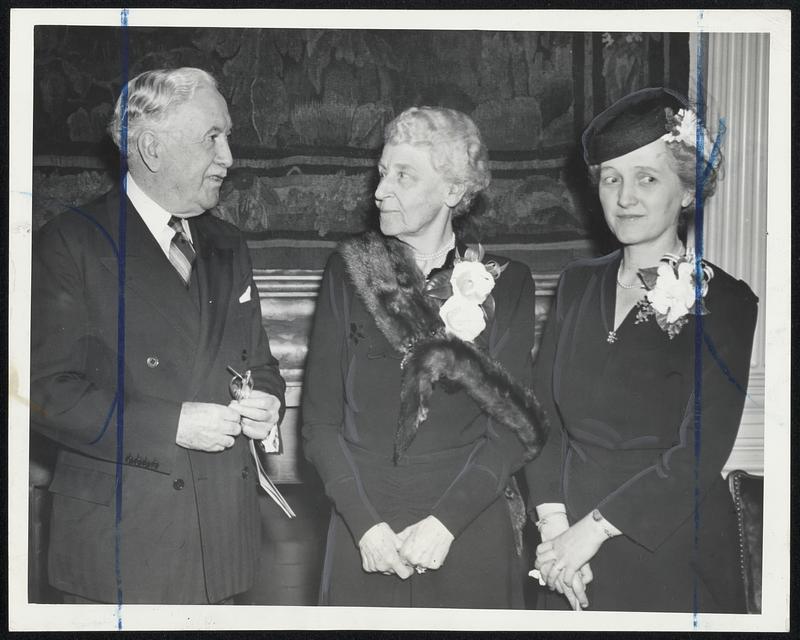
x: 624, y: 439
x: 456, y: 468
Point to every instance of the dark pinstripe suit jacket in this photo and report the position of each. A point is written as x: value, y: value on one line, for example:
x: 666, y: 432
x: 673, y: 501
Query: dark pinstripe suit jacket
x: 110, y: 368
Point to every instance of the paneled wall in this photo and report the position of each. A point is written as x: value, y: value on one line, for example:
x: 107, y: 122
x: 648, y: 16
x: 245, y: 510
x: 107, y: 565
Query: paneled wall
x: 736, y: 216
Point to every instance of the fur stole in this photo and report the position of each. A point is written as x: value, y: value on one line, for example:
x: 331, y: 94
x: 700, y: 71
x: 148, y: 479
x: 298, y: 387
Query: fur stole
x: 383, y: 273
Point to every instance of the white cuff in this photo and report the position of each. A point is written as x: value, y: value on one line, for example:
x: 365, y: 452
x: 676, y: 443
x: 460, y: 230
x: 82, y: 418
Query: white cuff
x: 546, y: 508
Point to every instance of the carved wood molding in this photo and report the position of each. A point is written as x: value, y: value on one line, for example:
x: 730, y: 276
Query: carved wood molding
x: 288, y: 298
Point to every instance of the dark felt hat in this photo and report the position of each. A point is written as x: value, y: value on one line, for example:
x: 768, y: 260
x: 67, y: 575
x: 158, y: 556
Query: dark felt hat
x: 632, y: 122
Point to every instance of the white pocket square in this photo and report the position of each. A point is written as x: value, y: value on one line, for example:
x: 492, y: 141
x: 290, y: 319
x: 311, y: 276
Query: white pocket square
x: 245, y: 297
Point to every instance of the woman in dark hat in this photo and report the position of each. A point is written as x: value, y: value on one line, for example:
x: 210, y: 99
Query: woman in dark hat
x: 415, y: 409
x: 643, y: 369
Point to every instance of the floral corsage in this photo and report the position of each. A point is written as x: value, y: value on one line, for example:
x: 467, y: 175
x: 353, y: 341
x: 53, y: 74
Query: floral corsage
x: 466, y: 291
x: 672, y: 292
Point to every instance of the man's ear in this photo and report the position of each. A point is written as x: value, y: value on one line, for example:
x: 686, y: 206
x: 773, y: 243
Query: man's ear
x: 149, y: 150
x: 454, y: 194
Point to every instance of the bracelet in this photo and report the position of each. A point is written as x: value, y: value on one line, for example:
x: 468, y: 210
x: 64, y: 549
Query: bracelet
x: 541, y: 522
x: 599, y: 519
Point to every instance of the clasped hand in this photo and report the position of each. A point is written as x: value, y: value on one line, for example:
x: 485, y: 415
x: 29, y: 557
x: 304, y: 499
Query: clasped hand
x: 563, y: 559
x: 206, y: 426
x: 420, y: 546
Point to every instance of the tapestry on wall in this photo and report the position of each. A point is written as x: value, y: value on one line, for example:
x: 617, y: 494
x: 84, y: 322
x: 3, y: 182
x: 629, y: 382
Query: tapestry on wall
x: 309, y: 107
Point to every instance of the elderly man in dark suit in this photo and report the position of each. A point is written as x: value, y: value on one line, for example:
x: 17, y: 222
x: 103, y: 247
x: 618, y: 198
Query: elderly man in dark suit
x: 141, y: 302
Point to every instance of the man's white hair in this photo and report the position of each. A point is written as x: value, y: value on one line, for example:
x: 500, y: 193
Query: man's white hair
x: 150, y: 97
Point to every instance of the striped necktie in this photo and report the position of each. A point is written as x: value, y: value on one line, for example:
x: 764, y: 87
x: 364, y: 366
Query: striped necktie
x: 181, y: 252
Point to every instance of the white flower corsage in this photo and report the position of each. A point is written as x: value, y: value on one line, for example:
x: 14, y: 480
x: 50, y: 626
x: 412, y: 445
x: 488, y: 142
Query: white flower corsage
x: 466, y: 291
x: 672, y: 292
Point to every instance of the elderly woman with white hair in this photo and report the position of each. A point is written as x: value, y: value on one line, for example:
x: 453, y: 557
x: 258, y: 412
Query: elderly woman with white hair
x: 416, y: 408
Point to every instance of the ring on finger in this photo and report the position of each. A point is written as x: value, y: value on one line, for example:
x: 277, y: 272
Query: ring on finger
x: 420, y: 569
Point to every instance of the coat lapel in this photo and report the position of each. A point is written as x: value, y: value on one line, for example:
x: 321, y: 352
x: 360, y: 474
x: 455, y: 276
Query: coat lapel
x: 214, y: 272
x: 148, y: 273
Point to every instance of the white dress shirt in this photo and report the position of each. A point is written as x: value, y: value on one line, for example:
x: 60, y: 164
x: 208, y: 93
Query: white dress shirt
x: 155, y: 217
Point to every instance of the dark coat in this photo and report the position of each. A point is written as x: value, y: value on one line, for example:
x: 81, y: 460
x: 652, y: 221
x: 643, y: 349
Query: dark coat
x: 106, y: 363
x: 456, y: 468
x: 624, y: 439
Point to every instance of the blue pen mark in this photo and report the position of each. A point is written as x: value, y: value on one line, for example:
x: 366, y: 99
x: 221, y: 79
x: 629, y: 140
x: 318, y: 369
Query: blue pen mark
x: 703, y: 169
x: 99, y: 227
x: 123, y: 201
x: 700, y: 175
x: 712, y: 349
x: 713, y: 157
x: 115, y: 249
x: 108, y: 419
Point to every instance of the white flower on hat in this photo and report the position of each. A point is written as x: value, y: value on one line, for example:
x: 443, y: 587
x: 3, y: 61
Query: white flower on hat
x: 684, y: 130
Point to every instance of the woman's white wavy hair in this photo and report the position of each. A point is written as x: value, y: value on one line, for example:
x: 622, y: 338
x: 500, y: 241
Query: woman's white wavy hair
x: 151, y: 95
x: 457, y: 151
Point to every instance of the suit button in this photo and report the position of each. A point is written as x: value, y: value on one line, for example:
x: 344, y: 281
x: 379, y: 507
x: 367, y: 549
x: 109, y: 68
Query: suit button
x: 152, y: 362
x: 245, y: 473
x: 178, y: 484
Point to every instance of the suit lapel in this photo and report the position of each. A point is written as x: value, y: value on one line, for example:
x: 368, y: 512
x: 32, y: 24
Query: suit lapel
x: 214, y: 272
x: 148, y: 273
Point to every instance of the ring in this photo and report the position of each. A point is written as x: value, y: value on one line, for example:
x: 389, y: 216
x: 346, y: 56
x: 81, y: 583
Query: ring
x: 420, y: 569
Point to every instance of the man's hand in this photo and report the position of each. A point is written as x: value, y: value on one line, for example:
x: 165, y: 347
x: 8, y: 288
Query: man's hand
x: 259, y: 413
x: 426, y: 543
x: 379, y: 552
x: 205, y: 426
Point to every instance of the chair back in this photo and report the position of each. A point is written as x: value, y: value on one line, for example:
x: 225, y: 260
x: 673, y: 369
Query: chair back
x: 748, y: 496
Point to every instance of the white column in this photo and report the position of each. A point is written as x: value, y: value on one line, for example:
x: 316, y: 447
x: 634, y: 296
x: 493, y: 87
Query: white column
x: 736, y: 78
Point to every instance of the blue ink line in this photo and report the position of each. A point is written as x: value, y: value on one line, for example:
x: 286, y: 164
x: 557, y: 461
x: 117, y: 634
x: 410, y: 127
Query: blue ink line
x: 715, y: 149
x: 99, y: 227
x: 698, y: 331
x: 703, y: 170
x: 724, y: 368
x: 115, y: 249
x: 123, y: 203
x: 108, y: 418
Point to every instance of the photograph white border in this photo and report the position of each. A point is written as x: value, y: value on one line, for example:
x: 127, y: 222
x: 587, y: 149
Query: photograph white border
x: 775, y: 309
